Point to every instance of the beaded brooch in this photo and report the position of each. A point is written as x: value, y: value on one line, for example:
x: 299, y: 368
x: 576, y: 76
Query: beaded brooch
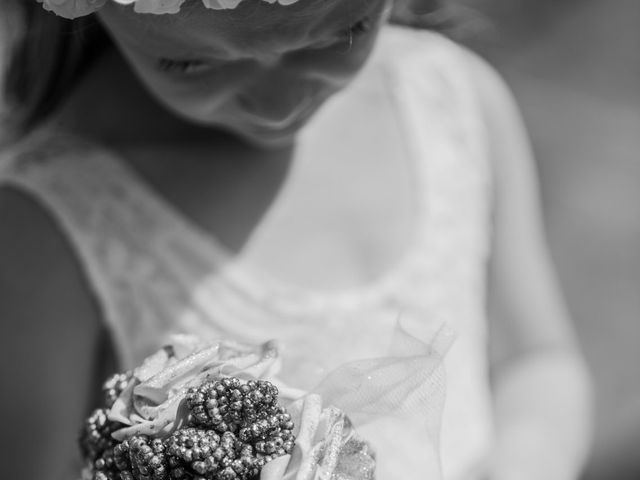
x: 78, y: 8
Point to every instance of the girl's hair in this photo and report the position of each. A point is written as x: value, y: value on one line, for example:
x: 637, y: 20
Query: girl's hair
x: 46, y: 57
x: 50, y: 54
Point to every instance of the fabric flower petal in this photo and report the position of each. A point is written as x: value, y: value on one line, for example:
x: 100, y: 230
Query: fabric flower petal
x: 327, y: 446
x: 150, y: 404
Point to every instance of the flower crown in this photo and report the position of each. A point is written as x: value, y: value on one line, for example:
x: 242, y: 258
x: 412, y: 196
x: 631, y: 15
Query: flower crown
x: 78, y: 8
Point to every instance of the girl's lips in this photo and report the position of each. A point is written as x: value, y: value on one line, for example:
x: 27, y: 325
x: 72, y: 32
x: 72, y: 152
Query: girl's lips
x: 282, y: 127
x: 292, y: 121
x: 260, y: 127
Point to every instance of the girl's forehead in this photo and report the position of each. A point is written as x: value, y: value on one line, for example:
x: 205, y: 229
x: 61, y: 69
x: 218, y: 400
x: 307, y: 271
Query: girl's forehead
x: 252, y: 25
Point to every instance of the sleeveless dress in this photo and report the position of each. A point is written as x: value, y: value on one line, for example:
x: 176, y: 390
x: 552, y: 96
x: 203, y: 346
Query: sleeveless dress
x: 154, y: 273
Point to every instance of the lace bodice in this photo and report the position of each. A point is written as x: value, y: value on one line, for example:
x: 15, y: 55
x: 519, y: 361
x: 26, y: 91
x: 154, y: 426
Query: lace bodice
x: 154, y: 274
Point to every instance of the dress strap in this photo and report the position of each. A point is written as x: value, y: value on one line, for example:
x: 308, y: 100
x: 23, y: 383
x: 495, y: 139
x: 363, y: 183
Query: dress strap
x: 75, y: 184
x: 439, y: 109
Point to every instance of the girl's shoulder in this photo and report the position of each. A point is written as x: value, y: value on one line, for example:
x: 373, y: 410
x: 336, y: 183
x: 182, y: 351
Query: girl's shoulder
x: 46, y: 185
x: 44, y: 151
x: 430, y: 66
x: 453, y: 76
x: 36, y: 172
x: 427, y: 56
x: 421, y: 49
x: 42, y: 286
x: 50, y: 323
x: 67, y: 176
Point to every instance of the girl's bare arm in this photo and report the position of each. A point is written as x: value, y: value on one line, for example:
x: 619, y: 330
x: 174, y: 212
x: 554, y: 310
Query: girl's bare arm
x: 48, y: 335
x: 541, y: 386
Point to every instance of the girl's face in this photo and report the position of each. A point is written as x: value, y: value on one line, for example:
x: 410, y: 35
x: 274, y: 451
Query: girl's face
x: 259, y: 71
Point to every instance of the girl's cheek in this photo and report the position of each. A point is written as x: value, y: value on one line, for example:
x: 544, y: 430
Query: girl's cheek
x: 196, y: 100
x: 204, y: 89
x: 337, y: 63
x: 333, y: 70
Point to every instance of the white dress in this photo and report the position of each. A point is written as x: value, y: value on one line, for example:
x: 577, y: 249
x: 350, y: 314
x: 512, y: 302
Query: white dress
x: 154, y: 273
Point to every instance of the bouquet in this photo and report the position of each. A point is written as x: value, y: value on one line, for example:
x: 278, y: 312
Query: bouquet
x: 217, y: 411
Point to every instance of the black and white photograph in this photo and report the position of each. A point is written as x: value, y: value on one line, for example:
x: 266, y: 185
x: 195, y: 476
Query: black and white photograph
x: 320, y: 239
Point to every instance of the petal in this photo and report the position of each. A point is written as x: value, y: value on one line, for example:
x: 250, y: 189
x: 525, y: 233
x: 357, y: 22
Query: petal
x: 158, y: 7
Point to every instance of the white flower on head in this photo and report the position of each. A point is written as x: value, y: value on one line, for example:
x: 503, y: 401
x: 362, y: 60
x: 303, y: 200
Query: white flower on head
x: 78, y: 8
x: 72, y: 8
x: 157, y: 7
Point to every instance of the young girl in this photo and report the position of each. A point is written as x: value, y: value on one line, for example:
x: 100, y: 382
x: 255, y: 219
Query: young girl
x: 297, y: 170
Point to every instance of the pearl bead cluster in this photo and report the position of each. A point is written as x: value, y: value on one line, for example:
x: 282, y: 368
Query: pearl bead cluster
x: 96, y: 436
x: 202, y: 454
x: 114, y: 386
x: 234, y: 429
x: 249, y: 410
x: 247, y: 413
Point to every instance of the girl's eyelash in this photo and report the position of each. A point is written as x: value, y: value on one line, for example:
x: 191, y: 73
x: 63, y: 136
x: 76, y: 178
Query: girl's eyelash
x: 357, y: 29
x: 186, y: 67
x: 360, y: 27
x: 180, y: 66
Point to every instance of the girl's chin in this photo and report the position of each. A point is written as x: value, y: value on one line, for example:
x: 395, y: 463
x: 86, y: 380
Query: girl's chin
x: 269, y: 142
x: 267, y: 138
x: 255, y: 135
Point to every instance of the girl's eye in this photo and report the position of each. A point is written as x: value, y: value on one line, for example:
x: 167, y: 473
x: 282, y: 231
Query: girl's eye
x: 184, y: 67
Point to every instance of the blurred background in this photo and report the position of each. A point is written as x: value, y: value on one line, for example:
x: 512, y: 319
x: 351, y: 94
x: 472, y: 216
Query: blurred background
x: 574, y: 66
